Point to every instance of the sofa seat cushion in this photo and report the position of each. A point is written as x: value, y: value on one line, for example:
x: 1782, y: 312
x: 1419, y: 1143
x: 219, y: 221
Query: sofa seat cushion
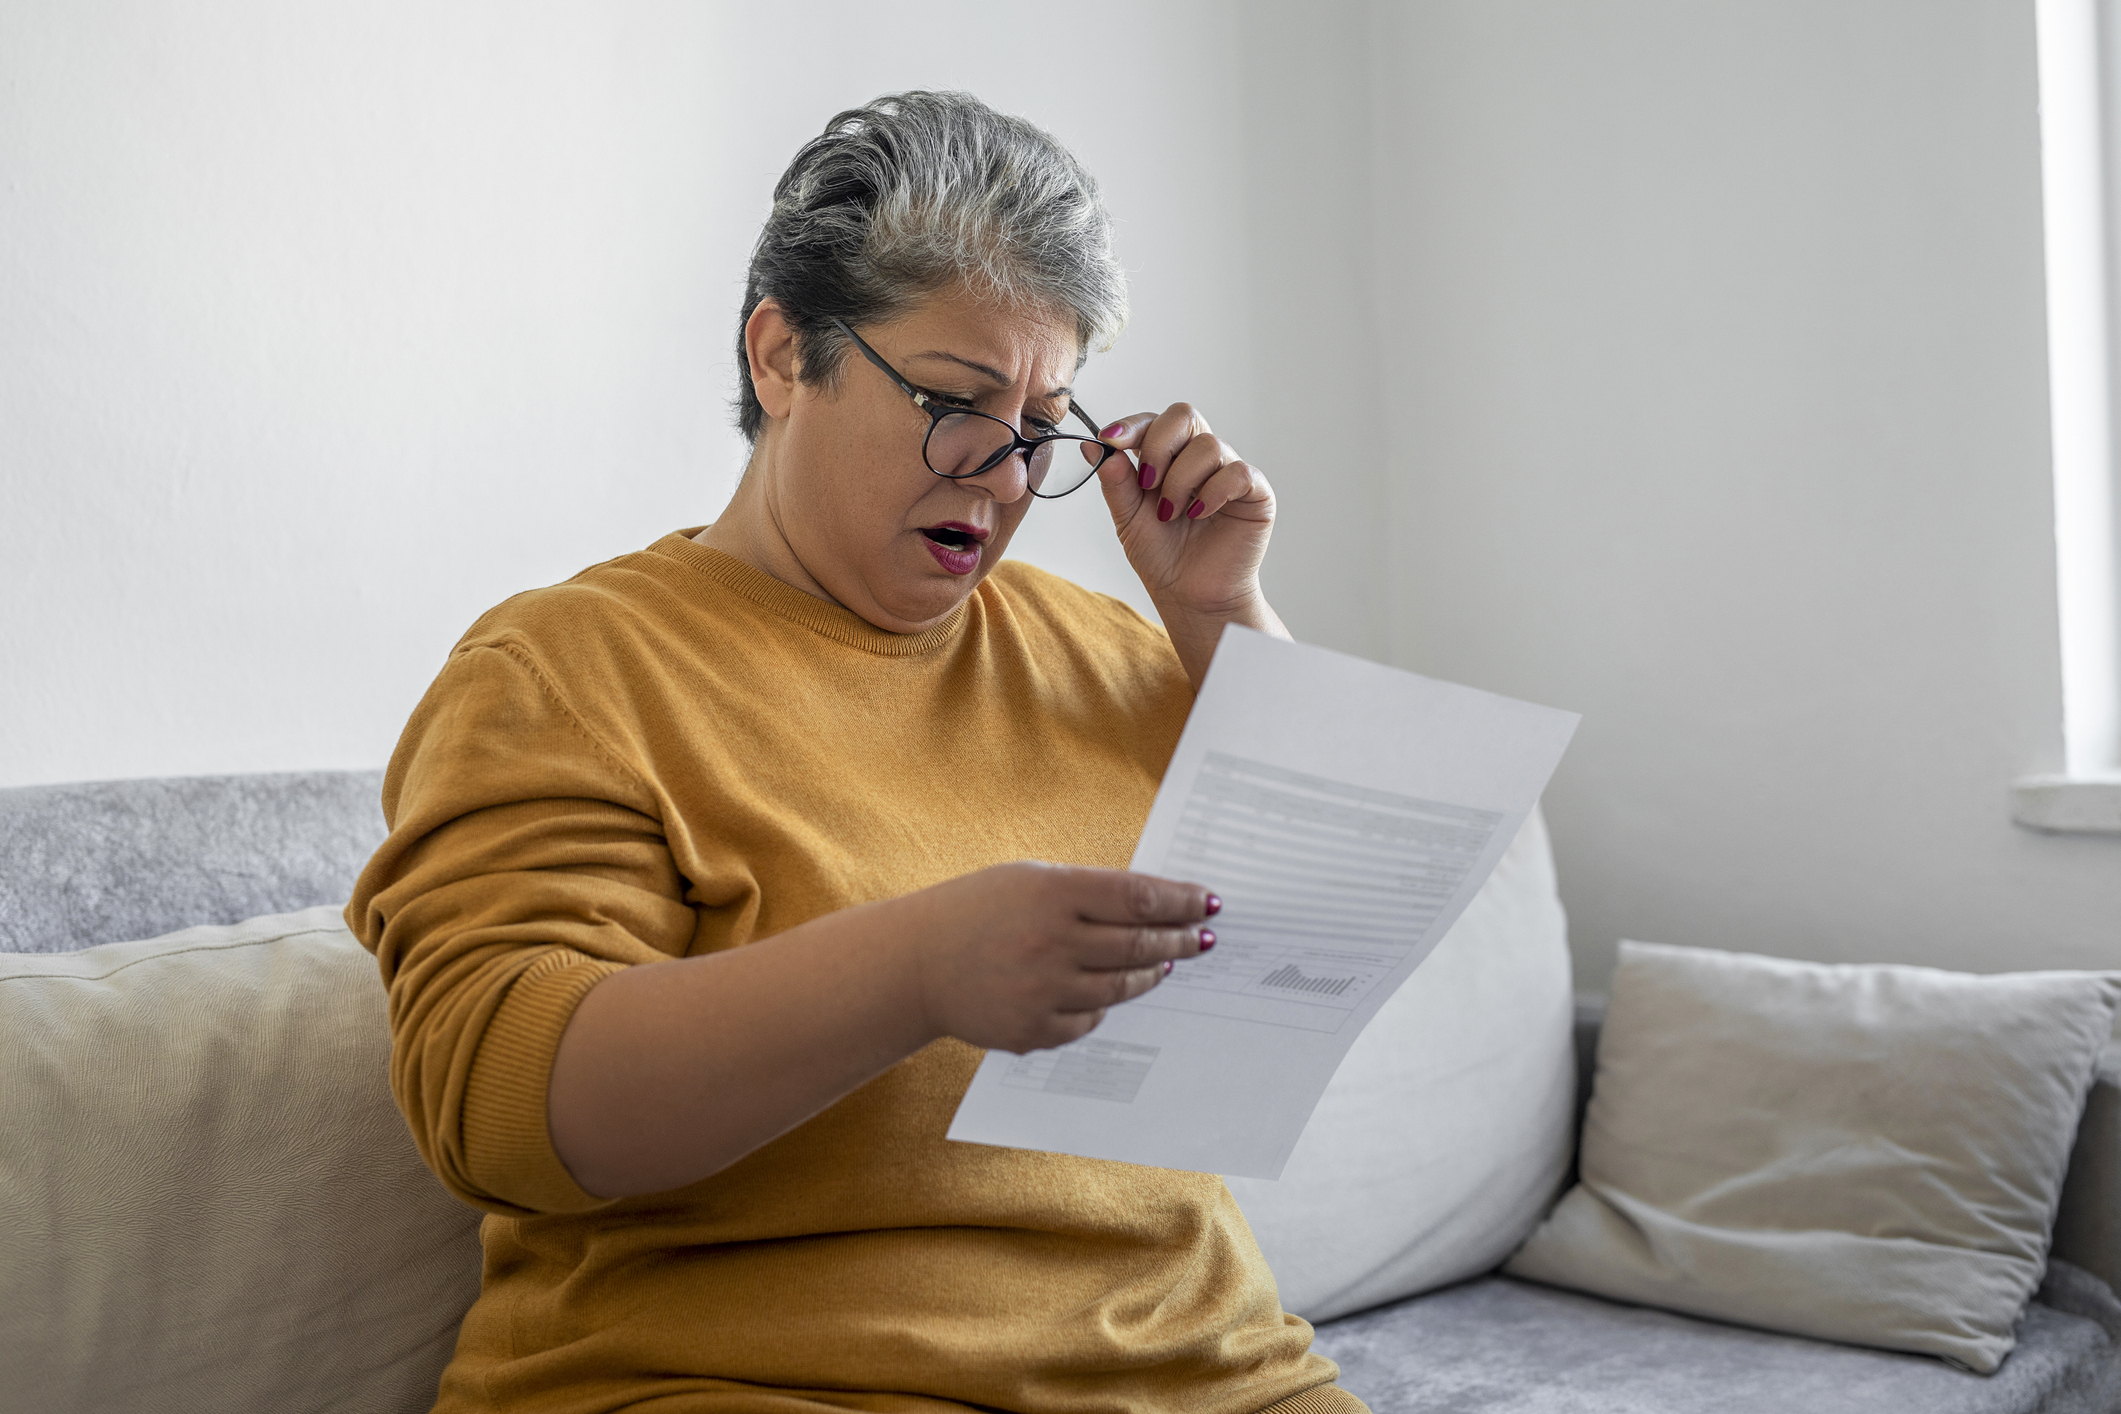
x: 1503, y: 1346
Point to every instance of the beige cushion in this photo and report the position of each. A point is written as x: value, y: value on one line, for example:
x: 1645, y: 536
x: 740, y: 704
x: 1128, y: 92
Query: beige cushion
x: 207, y: 1198
x: 1445, y: 1133
x: 1864, y: 1154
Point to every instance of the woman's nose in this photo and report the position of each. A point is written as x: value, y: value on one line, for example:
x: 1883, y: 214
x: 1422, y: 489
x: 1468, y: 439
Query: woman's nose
x: 1006, y: 483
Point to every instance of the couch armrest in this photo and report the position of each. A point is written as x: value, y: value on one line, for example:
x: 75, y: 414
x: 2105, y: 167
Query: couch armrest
x: 2088, y: 1219
x: 2088, y: 1222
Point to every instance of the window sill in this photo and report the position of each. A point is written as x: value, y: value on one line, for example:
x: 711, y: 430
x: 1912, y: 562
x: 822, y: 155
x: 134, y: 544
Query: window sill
x: 2075, y: 805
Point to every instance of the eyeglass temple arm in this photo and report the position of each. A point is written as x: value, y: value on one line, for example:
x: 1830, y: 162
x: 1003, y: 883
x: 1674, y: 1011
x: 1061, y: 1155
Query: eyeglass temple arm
x: 920, y: 399
x: 1095, y: 431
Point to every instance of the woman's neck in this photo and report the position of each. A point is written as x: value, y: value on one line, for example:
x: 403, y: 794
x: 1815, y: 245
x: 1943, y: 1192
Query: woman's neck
x: 749, y: 529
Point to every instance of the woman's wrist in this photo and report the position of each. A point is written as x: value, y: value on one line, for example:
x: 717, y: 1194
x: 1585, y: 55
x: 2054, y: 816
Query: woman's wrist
x: 897, y: 937
x: 1195, y: 630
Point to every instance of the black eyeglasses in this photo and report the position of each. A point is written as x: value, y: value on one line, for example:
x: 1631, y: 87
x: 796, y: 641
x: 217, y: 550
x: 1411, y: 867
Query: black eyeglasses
x: 962, y: 443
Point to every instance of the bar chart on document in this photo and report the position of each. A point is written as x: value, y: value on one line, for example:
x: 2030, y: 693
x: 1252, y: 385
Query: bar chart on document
x: 1326, y: 887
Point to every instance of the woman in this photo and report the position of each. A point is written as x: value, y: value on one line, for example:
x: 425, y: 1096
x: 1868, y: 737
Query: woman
x: 706, y: 880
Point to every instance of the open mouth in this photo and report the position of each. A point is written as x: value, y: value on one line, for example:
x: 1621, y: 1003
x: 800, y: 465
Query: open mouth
x: 955, y: 545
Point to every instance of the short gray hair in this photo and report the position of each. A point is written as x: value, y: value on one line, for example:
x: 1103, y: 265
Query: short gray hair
x: 916, y: 193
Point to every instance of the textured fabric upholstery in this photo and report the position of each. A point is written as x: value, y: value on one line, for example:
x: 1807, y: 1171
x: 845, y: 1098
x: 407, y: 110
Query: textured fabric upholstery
x: 1500, y: 1346
x: 2088, y: 1220
x: 112, y: 861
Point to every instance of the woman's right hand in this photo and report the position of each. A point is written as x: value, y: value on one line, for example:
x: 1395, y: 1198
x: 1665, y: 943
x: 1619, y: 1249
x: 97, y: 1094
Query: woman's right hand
x: 1019, y: 957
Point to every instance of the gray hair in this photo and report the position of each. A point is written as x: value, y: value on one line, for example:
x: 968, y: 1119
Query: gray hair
x: 917, y: 193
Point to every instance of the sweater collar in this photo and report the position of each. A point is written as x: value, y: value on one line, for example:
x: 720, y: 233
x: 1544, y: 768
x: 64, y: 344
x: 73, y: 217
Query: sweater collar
x: 787, y: 602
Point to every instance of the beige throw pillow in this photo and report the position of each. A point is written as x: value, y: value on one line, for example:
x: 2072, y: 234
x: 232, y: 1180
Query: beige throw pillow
x: 207, y: 1199
x: 1868, y: 1154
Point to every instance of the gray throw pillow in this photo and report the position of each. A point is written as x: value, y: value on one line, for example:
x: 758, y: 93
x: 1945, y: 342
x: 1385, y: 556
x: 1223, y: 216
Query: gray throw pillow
x: 1868, y: 1154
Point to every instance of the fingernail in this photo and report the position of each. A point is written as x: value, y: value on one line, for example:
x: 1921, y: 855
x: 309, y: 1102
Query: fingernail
x: 1113, y: 431
x: 1215, y: 905
x: 1207, y: 939
x: 1164, y: 509
x: 1193, y: 511
x: 1148, y: 476
x: 1167, y: 967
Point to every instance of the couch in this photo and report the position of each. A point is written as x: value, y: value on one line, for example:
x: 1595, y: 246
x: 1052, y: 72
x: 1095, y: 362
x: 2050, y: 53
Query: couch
x: 88, y: 864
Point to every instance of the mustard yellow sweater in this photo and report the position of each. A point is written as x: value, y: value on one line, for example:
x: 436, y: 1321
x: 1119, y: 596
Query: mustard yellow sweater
x: 673, y: 753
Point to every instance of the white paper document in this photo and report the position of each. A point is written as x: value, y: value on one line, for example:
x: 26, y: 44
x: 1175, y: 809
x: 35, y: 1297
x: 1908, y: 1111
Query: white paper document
x: 1346, y: 813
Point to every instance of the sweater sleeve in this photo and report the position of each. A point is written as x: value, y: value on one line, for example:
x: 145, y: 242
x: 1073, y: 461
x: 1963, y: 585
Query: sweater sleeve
x: 526, y: 862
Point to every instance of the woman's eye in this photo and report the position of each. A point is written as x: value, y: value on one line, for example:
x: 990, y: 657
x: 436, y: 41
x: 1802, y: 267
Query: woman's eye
x: 1033, y: 426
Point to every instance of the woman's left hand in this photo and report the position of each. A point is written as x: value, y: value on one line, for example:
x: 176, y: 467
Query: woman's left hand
x: 1194, y: 518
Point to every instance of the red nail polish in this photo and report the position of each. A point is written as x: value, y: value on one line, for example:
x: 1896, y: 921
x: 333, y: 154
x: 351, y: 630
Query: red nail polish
x: 1215, y: 905
x: 1164, y: 509
x: 1148, y: 477
x: 1193, y: 511
x: 1113, y: 431
x: 1207, y: 939
x: 1167, y: 967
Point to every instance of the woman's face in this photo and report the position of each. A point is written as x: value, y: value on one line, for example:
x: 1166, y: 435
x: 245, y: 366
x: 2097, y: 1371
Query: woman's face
x: 845, y: 483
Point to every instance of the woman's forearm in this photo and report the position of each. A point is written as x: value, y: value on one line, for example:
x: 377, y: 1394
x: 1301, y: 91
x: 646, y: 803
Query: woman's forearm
x: 671, y: 1072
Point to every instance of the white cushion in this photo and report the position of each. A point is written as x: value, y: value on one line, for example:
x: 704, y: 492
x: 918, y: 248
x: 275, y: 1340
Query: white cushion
x: 1868, y: 1154
x: 1449, y: 1127
x: 207, y: 1199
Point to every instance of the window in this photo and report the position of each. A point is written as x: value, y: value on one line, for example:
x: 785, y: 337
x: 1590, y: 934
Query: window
x: 2080, y: 134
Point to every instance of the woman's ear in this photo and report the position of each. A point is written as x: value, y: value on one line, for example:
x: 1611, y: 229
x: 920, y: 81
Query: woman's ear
x: 769, y: 345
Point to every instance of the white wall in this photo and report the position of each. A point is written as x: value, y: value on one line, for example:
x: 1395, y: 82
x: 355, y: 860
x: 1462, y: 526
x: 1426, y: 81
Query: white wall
x: 1678, y: 363
x: 1719, y: 330
x: 1322, y: 418
x: 324, y: 327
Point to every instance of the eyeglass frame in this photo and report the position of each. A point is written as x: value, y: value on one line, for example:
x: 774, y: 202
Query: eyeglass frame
x: 938, y: 410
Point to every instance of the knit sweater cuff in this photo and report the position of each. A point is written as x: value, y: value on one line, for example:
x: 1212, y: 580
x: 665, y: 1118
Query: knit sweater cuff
x: 507, y: 1130
x: 1321, y: 1399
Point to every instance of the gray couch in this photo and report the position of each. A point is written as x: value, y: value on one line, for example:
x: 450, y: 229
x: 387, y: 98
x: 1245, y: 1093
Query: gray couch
x: 107, y: 862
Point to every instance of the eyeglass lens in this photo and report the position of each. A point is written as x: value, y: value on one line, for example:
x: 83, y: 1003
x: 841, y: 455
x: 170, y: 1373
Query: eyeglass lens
x: 964, y: 444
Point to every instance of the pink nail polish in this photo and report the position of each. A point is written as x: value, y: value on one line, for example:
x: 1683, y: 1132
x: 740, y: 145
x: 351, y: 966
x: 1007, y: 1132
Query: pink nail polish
x: 1148, y: 476
x: 1167, y: 967
x: 1164, y: 509
x: 1193, y: 511
x: 1215, y: 905
x: 1113, y: 431
x: 1207, y: 939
